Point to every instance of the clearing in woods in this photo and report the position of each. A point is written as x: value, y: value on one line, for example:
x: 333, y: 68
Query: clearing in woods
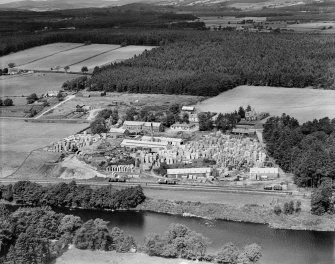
x: 303, y: 104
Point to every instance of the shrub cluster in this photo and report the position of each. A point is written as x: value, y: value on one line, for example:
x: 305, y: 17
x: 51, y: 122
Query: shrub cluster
x: 181, y: 242
x: 288, y: 208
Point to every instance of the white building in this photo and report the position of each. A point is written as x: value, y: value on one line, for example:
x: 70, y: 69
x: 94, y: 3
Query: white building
x: 51, y: 93
x: 189, y: 109
x: 169, y: 140
x: 263, y: 173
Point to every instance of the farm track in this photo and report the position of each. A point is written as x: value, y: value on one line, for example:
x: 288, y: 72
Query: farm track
x: 54, y: 107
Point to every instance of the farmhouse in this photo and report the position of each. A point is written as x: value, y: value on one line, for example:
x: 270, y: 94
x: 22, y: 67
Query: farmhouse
x: 83, y: 108
x: 263, y: 173
x: 153, y: 126
x: 190, y: 173
x: 51, y: 93
x: 133, y: 125
x: 251, y: 115
x: 118, y: 132
x: 13, y: 71
x: 188, y: 109
x: 182, y: 126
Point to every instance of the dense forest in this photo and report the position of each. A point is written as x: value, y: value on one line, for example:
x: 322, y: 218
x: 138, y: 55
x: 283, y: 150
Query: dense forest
x: 207, y: 63
x: 88, y: 18
x: 39, y: 235
x: 72, y: 195
x: 307, y: 150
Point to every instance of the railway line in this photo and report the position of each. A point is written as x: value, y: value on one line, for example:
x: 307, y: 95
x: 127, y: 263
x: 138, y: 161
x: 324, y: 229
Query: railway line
x: 152, y: 185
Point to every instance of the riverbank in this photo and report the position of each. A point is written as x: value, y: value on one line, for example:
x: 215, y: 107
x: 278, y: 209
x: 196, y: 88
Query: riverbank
x: 77, y: 256
x: 247, y: 213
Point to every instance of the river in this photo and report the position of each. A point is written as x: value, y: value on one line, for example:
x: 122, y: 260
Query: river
x: 278, y: 246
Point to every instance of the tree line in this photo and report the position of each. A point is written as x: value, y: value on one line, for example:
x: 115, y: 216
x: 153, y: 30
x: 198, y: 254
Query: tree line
x: 72, y: 195
x: 200, y: 62
x: 307, y: 150
x: 39, y: 235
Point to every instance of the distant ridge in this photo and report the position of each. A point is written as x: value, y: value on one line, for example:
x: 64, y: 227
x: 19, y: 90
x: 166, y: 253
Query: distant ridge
x: 49, y: 5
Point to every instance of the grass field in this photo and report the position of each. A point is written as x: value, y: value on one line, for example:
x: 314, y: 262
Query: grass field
x: 76, y: 256
x: 70, y: 57
x: 111, y: 56
x: 75, y: 55
x: 159, y: 102
x: 304, y: 104
x: 18, y: 138
x: 29, y: 55
x: 39, y: 83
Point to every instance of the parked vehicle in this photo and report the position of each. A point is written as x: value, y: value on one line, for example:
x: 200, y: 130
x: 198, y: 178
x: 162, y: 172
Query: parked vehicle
x: 116, y: 180
x: 278, y: 187
x: 268, y: 187
x: 167, y: 181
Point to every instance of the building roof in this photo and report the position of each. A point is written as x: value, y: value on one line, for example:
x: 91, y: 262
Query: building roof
x: 154, y: 124
x: 188, y: 170
x: 133, y: 123
x: 188, y: 108
x: 264, y: 170
x: 145, y: 144
x: 117, y: 130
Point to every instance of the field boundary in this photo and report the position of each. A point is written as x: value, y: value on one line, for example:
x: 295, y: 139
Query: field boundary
x: 94, y: 56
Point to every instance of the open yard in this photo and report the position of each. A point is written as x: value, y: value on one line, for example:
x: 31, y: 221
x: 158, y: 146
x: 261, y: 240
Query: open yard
x: 157, y: 102
x: 19, y: 138
x: 36, y: 53
x: 304, y: 104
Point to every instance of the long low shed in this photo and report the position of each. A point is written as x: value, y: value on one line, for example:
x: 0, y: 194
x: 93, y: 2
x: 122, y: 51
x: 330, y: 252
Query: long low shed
x: 190, y: 173
x: 259, y: 173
